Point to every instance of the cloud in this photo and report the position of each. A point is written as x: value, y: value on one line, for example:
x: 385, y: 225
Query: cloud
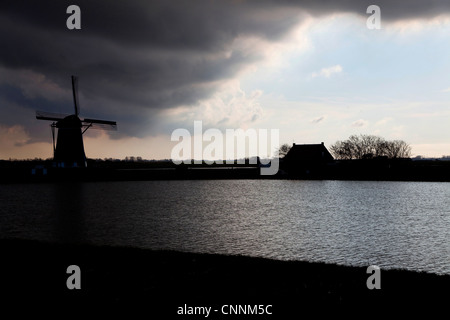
x: 327, y: 72
x: 360, y: 123
x: 15, y: 144
x: 383, y: 121
x: 317, y: 120
x: 229, y: 107
x: 133, y: 60
x: 139, y: 60
x: 446, y: 90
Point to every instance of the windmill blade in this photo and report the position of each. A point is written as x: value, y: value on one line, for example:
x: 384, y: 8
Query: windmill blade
x: 42, y: 115
x: 99, y: 124
x: 75, y: 95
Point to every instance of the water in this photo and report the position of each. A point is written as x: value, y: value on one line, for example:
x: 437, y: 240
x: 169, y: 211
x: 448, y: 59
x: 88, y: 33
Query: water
x: 391, y: 224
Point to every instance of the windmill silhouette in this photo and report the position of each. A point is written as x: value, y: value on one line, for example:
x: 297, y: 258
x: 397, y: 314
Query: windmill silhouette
x: 69, y: 148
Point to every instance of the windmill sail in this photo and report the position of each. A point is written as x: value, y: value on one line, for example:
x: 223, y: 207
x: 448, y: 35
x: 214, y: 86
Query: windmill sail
x: 43, y: 115
x: 99, y: 124
x: 75, y: 95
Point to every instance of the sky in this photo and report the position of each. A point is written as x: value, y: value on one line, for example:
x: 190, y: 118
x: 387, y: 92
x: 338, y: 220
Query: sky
x: 311, y: 69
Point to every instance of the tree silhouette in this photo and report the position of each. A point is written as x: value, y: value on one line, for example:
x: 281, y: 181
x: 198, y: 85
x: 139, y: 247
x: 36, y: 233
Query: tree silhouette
x: 283, y: 150
x: 370, y: 146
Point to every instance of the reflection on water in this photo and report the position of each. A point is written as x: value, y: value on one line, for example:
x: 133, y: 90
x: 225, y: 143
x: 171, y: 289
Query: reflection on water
x: 68, y: 212
x: 391, y: 224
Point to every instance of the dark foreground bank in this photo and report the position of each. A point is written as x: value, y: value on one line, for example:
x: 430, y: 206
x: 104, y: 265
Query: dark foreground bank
x: 378, y: 169
x: 158, y: 283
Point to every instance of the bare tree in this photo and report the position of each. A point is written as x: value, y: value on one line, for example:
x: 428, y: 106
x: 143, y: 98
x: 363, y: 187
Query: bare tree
x: 342, y: 150
x: 283, y: 150
x: 398, y: 149
x: 404, y: 149
x: 369, y: 146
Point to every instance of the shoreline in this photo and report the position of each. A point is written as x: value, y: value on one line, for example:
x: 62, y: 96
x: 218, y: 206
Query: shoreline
x: 21, y: 175
x: 35, y: 273
x: 366, y: 170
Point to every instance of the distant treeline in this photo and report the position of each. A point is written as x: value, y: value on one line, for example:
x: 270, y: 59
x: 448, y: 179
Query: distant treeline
x: 127, y: 163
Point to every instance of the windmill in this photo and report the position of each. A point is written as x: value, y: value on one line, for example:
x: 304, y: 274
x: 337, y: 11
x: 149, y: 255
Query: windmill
x: 68, y: 150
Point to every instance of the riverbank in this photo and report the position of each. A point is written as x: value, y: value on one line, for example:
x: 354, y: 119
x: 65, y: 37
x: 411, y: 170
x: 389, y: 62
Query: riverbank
x: 367, y: 169
x: 159, y: 282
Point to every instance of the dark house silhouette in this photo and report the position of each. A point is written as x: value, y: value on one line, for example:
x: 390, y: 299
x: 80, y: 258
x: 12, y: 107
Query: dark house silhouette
x: 308, y: 160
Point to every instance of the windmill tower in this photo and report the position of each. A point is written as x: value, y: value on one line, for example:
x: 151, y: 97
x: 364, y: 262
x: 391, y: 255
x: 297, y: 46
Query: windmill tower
x: 68, y: 152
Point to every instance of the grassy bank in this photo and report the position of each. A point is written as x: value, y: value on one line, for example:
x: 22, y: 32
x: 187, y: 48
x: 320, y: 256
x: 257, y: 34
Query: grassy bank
x: 34, y: 274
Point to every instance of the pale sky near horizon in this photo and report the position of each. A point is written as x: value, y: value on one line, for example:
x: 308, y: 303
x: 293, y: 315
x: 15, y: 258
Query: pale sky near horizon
x: 312, y: 70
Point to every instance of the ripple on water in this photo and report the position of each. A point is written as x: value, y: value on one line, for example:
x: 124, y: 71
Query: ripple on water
x: 391, y: 224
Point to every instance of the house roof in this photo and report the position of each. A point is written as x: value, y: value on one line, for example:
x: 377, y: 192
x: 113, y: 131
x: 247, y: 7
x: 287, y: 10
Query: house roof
x: 309, y: 152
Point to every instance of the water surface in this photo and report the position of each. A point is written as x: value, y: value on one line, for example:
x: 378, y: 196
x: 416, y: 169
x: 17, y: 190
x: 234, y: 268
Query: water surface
x: 390, y: 224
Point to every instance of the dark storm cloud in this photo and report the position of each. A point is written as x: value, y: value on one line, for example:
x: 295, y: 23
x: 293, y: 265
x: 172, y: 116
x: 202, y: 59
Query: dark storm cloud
x: 390, y: 9
x: 137, y: 57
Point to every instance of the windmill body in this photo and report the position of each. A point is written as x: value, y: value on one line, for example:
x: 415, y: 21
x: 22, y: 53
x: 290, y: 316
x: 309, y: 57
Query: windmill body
x: 69, y: 149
